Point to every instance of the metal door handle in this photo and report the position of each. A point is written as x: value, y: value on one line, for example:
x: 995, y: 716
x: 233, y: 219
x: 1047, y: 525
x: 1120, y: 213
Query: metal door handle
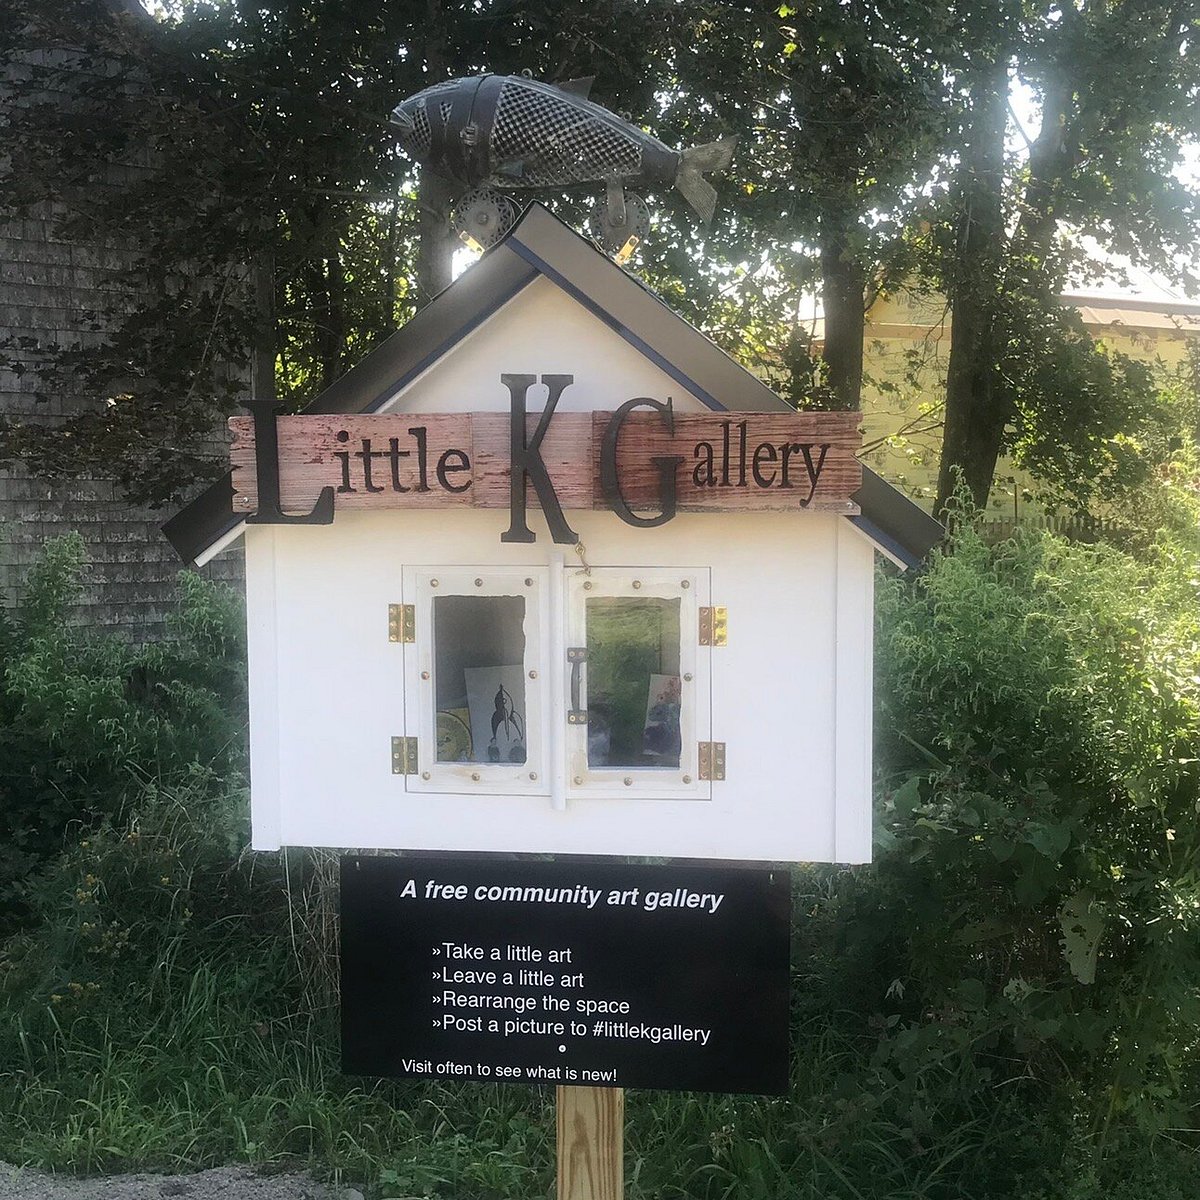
x: 576, y: 656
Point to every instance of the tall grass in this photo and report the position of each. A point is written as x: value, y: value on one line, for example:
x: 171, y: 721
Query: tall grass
x: 163, y: 1015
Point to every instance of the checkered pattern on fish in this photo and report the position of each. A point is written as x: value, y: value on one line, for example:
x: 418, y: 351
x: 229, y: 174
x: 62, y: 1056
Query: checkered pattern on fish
x: 421, y: 138
x: 556, y: 142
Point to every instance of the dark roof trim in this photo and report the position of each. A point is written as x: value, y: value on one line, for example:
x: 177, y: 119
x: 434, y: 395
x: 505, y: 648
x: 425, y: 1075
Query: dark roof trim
x: 204, y: 521
x: 888, y: 545
x: 890, y: 518
x: 540, y: 244
x: 430, y: 335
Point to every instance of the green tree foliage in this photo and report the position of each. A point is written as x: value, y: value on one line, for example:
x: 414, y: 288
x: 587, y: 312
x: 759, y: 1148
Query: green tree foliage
x: 86, y: 721
x: 842, y: 112
x: 240, y: 153
x: 240, y: 156
x: 1117, y: 88
x: 1093, y: 425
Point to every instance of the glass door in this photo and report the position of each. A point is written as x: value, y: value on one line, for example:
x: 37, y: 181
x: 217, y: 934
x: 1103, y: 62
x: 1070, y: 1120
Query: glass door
x: 475, y: 679
x: 637, y: 681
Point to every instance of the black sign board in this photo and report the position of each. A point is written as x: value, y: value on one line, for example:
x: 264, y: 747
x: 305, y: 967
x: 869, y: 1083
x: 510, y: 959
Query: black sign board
x: 566, y: 972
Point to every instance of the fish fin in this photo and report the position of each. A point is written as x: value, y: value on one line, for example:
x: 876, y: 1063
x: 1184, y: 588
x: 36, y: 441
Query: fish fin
x: 577, y: 87
x: 694, y: 164
x: 698, y: 192
x: 713, y: 156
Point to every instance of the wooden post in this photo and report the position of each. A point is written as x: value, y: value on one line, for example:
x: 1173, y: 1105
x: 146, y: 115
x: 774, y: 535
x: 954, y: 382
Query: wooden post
x: 591, y: 1143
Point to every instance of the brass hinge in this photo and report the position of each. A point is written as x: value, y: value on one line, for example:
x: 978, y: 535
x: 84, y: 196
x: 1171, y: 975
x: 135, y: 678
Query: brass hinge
x: 714, y: 626
x: 712, y: 760
x: 404, y: 756
x: 402, y: 623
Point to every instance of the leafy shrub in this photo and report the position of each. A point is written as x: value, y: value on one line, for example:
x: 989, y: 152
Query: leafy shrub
x: 1034, y: 916
x: 86, y: 720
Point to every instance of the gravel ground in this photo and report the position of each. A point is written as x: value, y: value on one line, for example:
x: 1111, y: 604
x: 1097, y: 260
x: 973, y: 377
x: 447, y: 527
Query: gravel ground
x: 224, y: 1183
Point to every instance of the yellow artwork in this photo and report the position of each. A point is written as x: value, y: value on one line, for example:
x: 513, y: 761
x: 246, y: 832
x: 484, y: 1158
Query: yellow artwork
x: 453, y: 736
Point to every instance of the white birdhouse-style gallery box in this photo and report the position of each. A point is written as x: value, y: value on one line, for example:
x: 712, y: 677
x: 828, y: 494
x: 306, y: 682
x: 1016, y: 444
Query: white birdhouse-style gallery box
x: 549, y: 572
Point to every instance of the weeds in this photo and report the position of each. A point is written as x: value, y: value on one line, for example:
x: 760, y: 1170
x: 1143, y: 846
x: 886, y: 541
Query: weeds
x: 87, y: 721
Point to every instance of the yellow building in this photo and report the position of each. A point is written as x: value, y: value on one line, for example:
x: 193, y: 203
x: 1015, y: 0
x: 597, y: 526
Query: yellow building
x: 904, y: 377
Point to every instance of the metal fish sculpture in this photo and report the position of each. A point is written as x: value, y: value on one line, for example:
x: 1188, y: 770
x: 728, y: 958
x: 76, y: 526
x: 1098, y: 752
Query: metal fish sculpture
x: 512, y: 131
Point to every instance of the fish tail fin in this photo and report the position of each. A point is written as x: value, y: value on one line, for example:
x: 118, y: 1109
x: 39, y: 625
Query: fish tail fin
x: 694, y: 164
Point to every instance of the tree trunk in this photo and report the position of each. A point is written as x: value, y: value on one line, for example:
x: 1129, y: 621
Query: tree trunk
x: 335, y: 340
x: 327, y: 288
x: 977, y: 409
x: 843, y: 284
x: 262, y: 355
x: 436, y: 241
x: 1052, y: 157
x: 388, y: 307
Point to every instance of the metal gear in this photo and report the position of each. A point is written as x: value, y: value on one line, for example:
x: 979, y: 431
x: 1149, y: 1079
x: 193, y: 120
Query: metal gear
x: 615, y: 235
x: 482, y: 217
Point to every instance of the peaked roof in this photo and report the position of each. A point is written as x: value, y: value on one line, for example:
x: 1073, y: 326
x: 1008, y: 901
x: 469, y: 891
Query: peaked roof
x: 541, y: 245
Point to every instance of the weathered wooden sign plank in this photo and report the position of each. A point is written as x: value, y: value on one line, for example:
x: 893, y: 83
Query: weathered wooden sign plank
x: 713, y: 462
x: 743, y: 462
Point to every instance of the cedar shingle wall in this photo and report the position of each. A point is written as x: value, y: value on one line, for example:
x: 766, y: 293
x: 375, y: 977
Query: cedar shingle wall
x: 55, y: 293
